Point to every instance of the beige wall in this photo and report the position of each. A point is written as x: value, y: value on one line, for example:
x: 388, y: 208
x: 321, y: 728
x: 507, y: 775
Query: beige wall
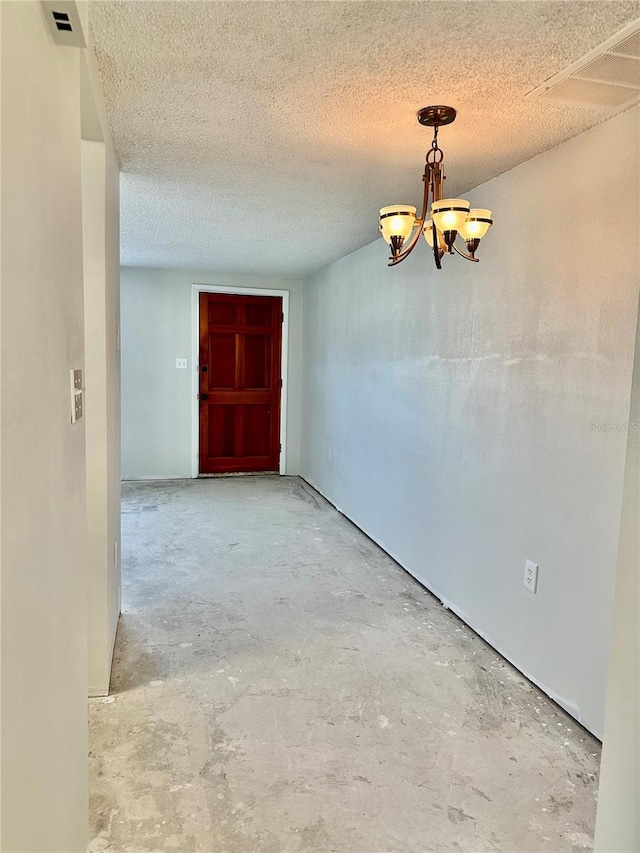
x: 93, y: 210
x: 157, y: 399
x: 101, y: 252
x: 456, y: 415
x: 102, y: 371
x: 43, y: 555
x: 60, y: 482
x: 113, y: 389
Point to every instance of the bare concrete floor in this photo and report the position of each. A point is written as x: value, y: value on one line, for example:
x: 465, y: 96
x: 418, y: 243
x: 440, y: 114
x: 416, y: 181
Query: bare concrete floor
x: 280, y: 684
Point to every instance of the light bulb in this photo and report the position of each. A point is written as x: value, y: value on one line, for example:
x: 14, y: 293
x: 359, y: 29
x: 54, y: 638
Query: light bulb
x: 449, y: 214
x: 397, y: 220
x: 476, y: 224
x: 428, y: 236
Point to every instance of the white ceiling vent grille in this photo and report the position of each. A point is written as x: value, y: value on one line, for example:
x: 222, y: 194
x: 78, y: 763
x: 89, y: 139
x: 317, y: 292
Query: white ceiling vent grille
x: 630, y: 46
x: 64, y: 22
x: 607, y: 77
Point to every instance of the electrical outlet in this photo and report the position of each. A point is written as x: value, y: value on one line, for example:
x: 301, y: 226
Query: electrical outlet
x: 530, y: 576
x: 181, y: 363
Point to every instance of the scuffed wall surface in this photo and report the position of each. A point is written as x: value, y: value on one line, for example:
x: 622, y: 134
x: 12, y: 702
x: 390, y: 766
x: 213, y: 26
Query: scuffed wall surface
x: 463, y: 418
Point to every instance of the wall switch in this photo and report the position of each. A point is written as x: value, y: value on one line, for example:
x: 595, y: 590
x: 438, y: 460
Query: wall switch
x: 115, y: 555
x: 530, y: 576
x: 181, y: 363
x: 76, y: 395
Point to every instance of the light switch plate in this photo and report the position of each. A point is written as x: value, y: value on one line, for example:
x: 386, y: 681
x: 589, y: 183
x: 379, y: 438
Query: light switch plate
x: 76, y: 395
x: 181, y: 363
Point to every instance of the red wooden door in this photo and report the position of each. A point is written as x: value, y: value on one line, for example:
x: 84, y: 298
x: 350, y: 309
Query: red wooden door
x: 240, y: 345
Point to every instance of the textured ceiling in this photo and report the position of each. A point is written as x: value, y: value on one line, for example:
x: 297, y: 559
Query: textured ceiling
x: 262, y: 137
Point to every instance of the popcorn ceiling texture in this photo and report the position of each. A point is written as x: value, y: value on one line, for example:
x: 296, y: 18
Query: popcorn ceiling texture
x: 262, y: 137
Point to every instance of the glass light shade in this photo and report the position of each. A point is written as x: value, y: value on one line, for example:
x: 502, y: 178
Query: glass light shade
x: 397, y: 220
x: 449, y: 214
x: 428, y: 232
x: 428, y: 235
x: 476, y: 224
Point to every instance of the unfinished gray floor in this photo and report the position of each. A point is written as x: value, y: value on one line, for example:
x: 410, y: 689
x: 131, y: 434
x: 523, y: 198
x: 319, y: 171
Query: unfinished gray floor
x: 280, y: 684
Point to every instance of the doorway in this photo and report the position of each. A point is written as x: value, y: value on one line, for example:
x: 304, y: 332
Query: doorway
x: 239, y: 381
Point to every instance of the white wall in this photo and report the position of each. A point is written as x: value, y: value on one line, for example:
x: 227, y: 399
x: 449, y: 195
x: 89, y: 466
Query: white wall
x: 43, y: 556
x: 618, y: 819
x: 157, y: 399
x: 449, y: 414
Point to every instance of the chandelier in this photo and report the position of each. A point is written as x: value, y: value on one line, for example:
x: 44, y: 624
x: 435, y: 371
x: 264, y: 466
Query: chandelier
x: 449, y: 216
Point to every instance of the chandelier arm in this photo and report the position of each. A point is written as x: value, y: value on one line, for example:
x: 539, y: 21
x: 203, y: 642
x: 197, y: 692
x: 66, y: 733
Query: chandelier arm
x: 437, y: 180
x: 437, y: 252
x: 464, y: 255
x: 436, y: 191
x: 427, y: 179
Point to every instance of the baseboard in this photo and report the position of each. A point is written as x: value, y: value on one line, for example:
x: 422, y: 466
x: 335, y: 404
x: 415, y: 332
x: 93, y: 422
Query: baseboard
x: 566, y: 706
x: 154, y: 477
x: 112, y: 644
x: 95, y: 692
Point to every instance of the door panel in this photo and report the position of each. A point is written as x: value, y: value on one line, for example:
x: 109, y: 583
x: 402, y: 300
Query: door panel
x: 222, y: 361
x: 240, y: 387
x: 221, y: 313
x: 256, y: 430
x: 257, y: 314
x: 257, y: 361
x: 221, y: 431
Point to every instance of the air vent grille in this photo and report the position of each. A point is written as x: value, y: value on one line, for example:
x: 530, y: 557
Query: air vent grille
x: 64, y: 22
x: 590, y: 92
x: 620, y: 70
x: 607, y: 77
x: 61, y: 20
x: 629, y: 46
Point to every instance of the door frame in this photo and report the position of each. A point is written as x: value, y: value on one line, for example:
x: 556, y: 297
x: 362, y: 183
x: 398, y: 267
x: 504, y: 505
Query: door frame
x: 196, y: 290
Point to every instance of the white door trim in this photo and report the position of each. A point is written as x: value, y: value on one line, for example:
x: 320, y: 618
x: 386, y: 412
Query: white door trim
x: 196, y: 290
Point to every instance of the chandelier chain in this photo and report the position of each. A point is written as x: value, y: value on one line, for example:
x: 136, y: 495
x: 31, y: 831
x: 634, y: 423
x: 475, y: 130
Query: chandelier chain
x: 435, y: 153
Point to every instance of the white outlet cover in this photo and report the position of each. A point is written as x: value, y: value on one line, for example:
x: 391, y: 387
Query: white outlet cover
x: 531, y: 576
x: 181, y: 363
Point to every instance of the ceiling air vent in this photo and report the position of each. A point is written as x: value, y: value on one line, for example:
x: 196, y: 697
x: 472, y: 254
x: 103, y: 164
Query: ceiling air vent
x: 607, y: 77
x: 63, y: 21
